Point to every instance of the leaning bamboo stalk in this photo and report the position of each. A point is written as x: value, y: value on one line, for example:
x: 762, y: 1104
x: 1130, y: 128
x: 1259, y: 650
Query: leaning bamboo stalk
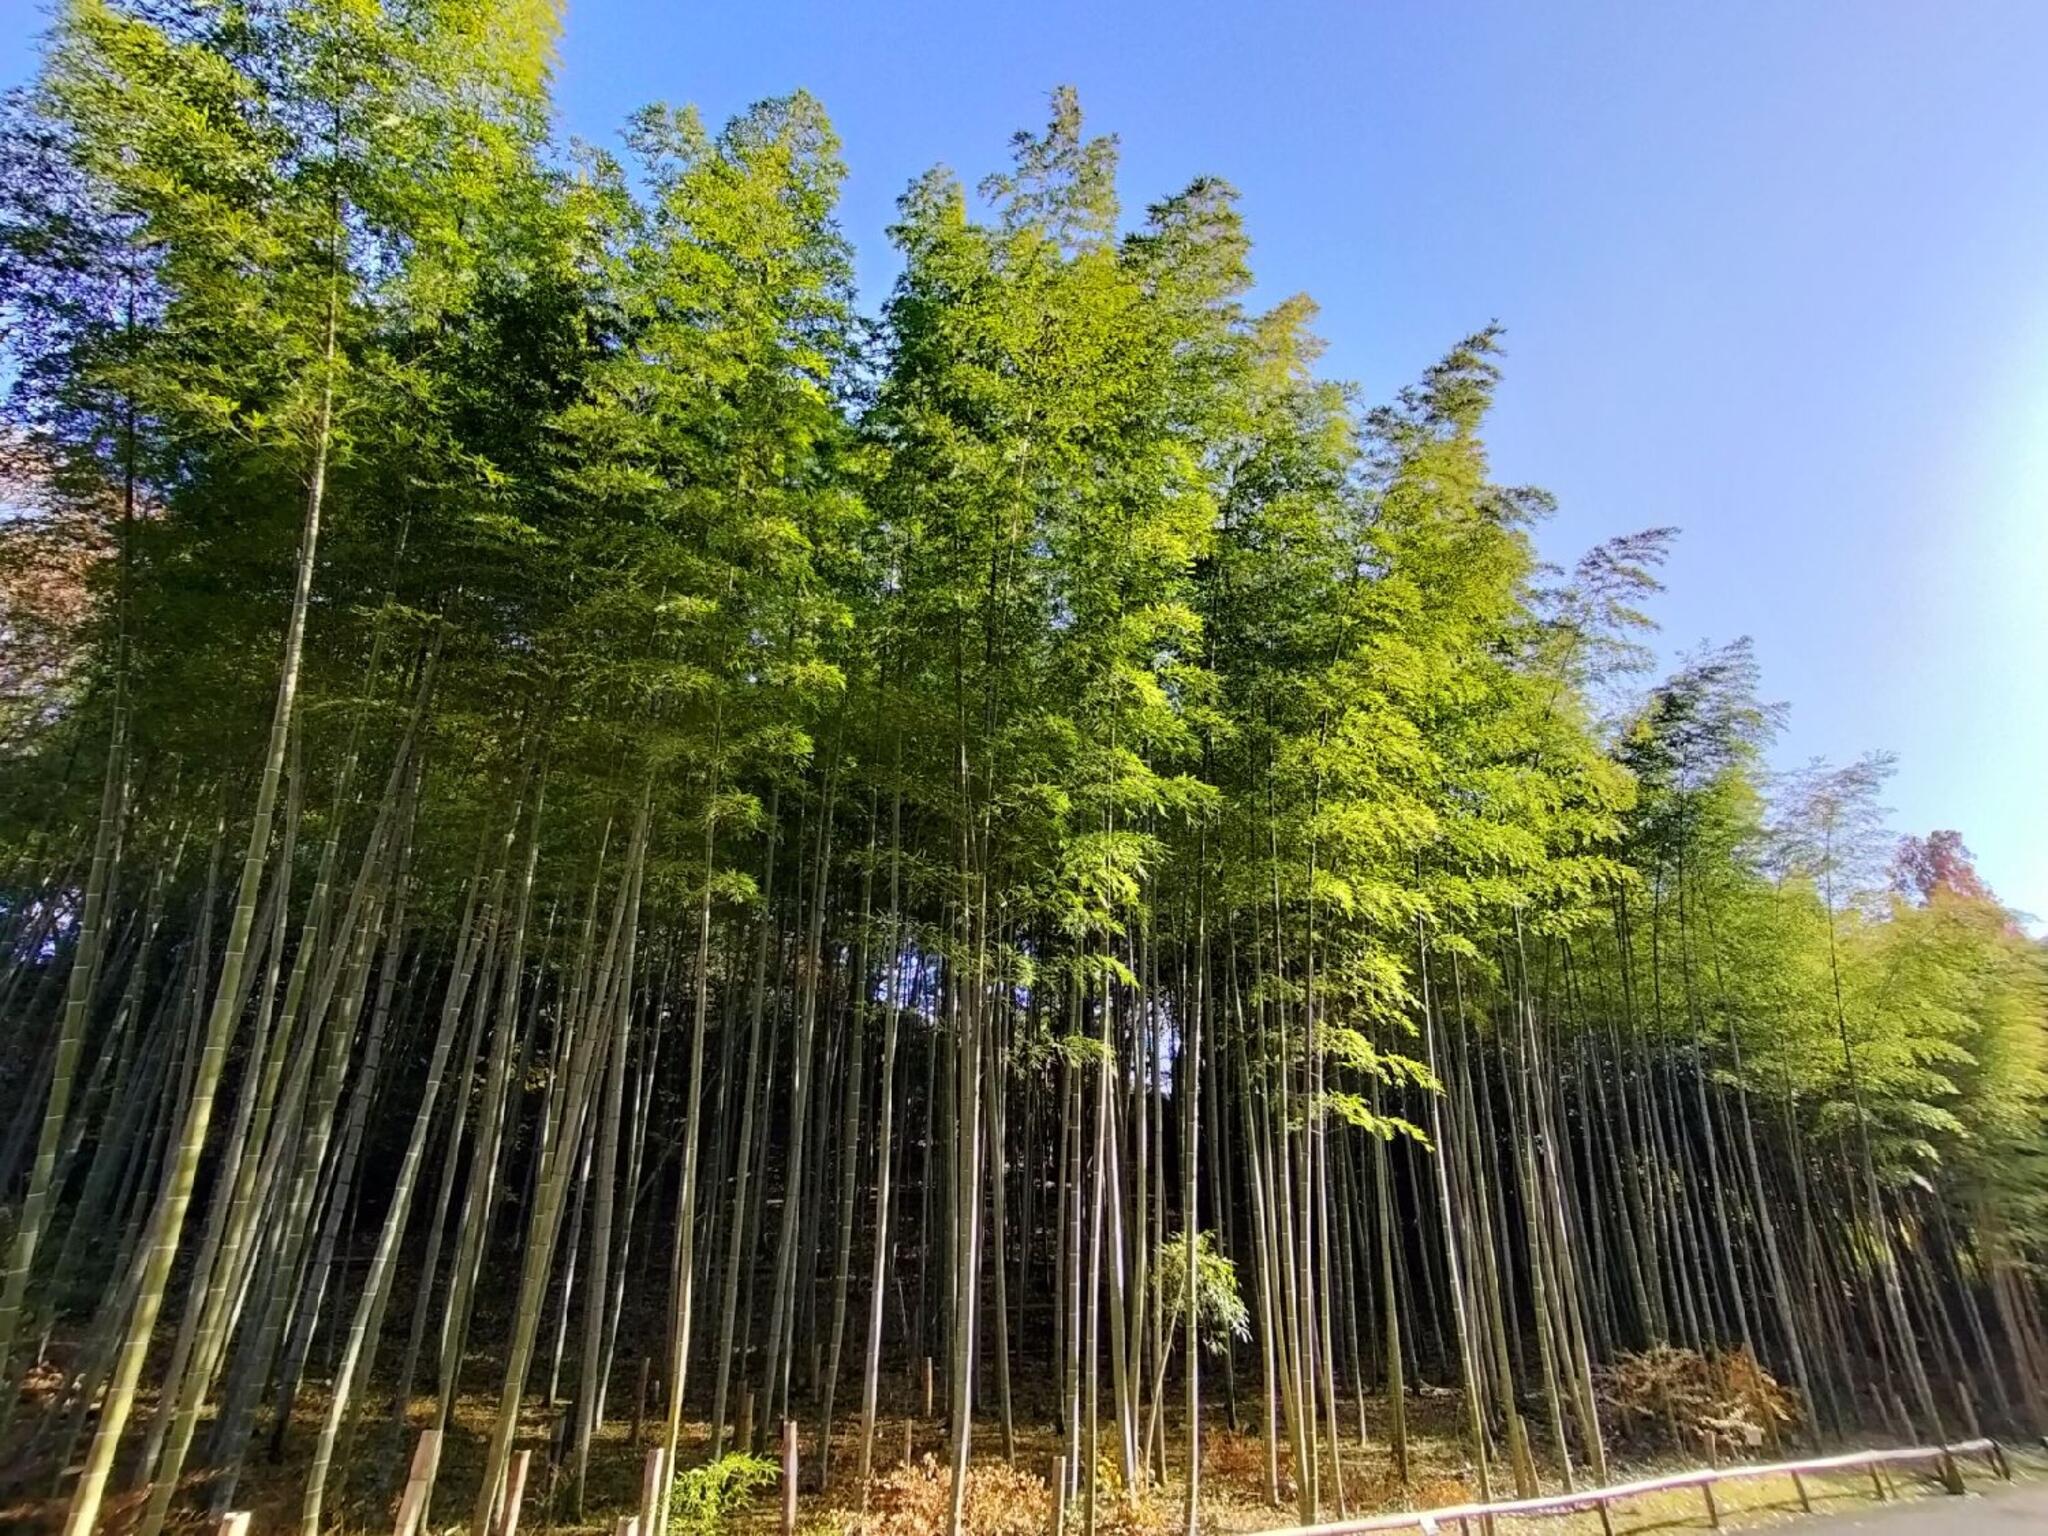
x: 481, y: 1191
x: 737, y: 1227
x: 849, y: 1151
x: 339, y: 1198
x: 328, y: 1049
x: 871, y: 1369
x: 331, y: 1028
x: 21, y: 1252
x: 589, y: 1408
x: 684, y: 1312
x: 437, y: 1222
x: 168, y: 1226
x: 370, y: 1302
x: 226, y: 1234
x: 803, y: 1072
x: 544, y: 1226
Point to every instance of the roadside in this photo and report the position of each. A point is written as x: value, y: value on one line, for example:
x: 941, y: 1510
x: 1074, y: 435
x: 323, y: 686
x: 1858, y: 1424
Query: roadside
x: 1913, y: 1506
x: 2018, y: 1506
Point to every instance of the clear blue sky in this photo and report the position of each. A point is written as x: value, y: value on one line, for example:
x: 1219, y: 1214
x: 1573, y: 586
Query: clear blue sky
x: 1776, y: 274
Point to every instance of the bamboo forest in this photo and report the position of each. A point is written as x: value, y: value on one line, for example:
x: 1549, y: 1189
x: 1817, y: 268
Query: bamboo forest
x: 603, y: 850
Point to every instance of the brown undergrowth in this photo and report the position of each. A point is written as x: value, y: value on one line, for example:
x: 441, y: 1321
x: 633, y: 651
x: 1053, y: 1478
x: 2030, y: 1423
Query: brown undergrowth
x: 915, y: 1499
x: 1676, y: 1399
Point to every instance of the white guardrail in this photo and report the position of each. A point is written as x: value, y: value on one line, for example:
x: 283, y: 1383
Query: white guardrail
x: 1431, y: 1521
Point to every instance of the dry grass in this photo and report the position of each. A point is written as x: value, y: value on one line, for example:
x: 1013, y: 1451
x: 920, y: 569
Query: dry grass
x: 916, y: 1500
x: 1676, y: 1399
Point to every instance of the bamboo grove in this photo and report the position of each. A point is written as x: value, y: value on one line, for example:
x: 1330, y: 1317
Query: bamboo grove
x: 569, y: 798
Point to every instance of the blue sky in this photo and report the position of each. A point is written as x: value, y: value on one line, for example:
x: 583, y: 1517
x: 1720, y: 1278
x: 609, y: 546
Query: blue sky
x: 1776, y: 274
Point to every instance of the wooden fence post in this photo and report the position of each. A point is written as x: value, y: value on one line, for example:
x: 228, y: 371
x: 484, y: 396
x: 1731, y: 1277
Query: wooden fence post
x: 789, y: 1477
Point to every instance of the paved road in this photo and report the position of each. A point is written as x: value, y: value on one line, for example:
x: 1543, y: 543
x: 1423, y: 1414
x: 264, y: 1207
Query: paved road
x: 1996, y: 1511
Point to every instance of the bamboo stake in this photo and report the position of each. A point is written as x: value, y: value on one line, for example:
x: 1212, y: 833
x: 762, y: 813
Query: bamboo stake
x: 410, y: 1508
x: 515, y: 1493
x: 789, y: 1477
x: 653, y: 1485
x: 419, y: 1481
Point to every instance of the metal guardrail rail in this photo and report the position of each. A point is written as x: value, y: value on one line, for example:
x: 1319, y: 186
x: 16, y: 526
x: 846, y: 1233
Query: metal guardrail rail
x: 1432, y: 1521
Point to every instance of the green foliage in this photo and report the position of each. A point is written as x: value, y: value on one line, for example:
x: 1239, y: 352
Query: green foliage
x: 1220, y: 1312
x: 704, y: 1499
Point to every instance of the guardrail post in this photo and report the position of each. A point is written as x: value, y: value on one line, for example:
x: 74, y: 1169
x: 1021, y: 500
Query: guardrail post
x: 1713, y: 1509
x: 1951, y: 1472
x: 1606, y: 1520
x: 1877, y: 1482
x: 1799, y: 1483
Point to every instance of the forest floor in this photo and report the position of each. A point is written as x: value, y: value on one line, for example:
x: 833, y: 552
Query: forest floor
x: 907, y: 1496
